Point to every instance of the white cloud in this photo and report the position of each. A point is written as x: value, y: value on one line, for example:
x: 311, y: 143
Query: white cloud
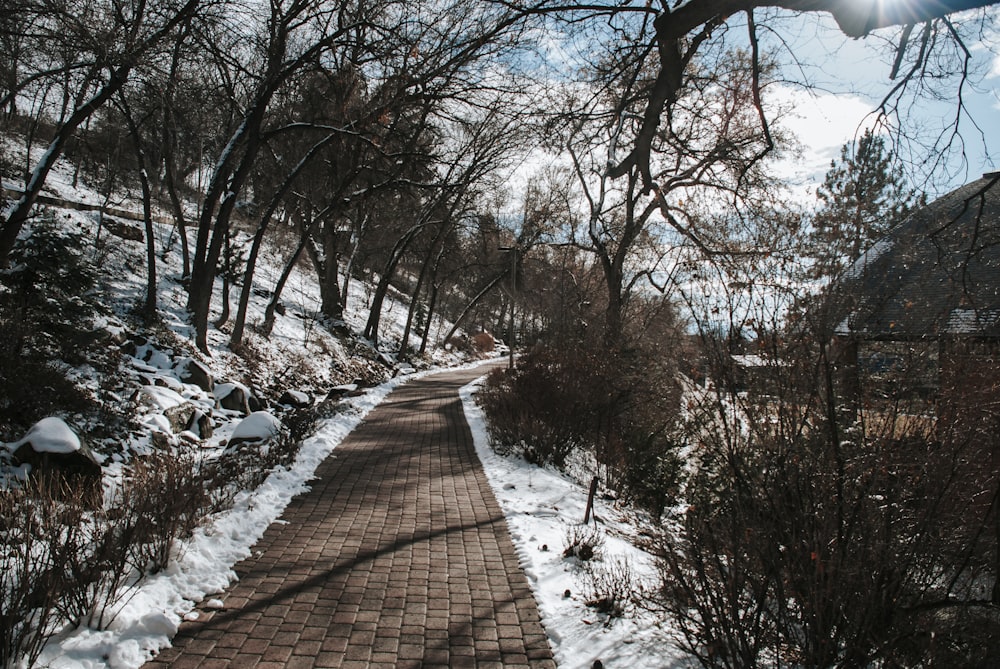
x: 821, y: 123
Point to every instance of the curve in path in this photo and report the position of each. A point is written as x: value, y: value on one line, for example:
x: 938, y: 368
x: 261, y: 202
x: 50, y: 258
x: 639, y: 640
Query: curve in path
x: 398, y: 556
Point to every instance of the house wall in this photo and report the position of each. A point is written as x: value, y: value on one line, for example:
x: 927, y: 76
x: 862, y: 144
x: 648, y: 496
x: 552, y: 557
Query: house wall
x: 969, y: 397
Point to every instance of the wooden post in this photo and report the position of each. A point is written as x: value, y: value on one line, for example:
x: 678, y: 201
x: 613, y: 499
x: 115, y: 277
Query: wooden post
x: 590, y: 502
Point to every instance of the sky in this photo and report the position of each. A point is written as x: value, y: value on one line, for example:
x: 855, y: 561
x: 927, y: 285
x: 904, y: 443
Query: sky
x: 852, y: 76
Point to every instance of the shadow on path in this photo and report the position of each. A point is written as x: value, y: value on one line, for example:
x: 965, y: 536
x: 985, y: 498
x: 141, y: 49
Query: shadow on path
x: 398, y: 556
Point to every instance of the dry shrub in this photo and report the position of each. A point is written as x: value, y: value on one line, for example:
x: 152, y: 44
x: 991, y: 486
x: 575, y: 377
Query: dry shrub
x: 29, y: 576
x: 816, y: 539
x: 163, y: 499
x: 63, y: 561
x: 553, y: 402
x: 612, y: 588
x: 584, y: 542
x: 612, y: 402
x: 246, y: 465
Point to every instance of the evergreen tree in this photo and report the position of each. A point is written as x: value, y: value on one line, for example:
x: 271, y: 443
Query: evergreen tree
x: 863, y: 195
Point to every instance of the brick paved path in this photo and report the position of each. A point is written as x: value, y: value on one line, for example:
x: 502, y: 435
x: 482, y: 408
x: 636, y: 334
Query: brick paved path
x: 399, y: 556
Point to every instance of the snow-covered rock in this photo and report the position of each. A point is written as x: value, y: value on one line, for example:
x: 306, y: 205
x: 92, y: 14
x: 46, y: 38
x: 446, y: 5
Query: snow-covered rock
x: 191, y: 371
x: 233, y: 396
x: 50, y: 435
x: 295, y: 398
x: 258, y: 426
x: 53, y: 451
x: 158, y: 397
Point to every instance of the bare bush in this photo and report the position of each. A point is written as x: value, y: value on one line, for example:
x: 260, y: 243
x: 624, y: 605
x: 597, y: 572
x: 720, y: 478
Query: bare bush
x: 63, y: 561
x: 245, y: 466
x: 617, y: 404
x: 28, y: 578
x: 163, y: 499
x: 612, y: 588
x: 584, y: 542
x: 822, y: 532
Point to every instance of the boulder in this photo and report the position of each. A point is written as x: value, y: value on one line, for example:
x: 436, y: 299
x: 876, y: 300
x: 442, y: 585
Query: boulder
x: 295, y: 398
x: 201, y: 424
x: 344, y: 390
x: 191, y: 371
x: 161, y: 440
x: 123, y: 230
x: 59, y: 457
x: 260, y: 426
x: 256, y: 403
x: 233, y: 396
x: 158, y: 397
x: 180, y: 416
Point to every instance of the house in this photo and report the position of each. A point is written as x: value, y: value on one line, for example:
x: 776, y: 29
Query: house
x: 920, y: 312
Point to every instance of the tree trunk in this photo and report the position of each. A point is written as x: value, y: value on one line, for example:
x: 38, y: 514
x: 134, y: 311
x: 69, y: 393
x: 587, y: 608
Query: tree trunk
x: 415, y: 300
x: 227, y: 270
x: 349, y: 265
x: 149, y: 307
x: 472, y: 304
x: 236, y: 339
x: 19, y: 214
x: 280, y: 286
x: 330, y: 279
x: 382, y: 289
x: 222, y: 192
x: 169, y: 159
x: 431, y: 304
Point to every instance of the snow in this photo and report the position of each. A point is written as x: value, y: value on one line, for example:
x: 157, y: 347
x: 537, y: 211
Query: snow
x: 203, y: 566
x: 968, y: 321
x: 258, y: 426
x: 543, y: 507
x: 859, y: 266
x: 50, y: 435
x: 161, y: 398
x: 224, y: 390
x: 299, y: 397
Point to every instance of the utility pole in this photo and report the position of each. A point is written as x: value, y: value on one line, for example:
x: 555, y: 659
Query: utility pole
x: 512, y: 250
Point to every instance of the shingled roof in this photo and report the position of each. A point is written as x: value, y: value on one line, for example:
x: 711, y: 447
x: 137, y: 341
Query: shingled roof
x: 935, y: 274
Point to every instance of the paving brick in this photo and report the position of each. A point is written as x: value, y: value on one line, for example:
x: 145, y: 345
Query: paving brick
x: 393, y: 558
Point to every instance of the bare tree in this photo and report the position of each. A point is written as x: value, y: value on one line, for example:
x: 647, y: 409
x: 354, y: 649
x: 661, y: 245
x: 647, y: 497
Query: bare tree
x: 119, y: 40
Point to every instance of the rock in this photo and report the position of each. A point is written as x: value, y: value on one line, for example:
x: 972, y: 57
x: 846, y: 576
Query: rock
x: 344, y: 390
x: 233, y: 396
x: 295, y: 398
x: 158, y: 397
x: 188, y: 417
x: 130, y: 347
x: 191, y: 371
x: 189, y: 437
x: 256, y: 404
x: 257, y: 427
x: 60, y: 458
x: 123, y: 230
x: 201, y: 424
x: 161, y: 440
x: 180, y: 416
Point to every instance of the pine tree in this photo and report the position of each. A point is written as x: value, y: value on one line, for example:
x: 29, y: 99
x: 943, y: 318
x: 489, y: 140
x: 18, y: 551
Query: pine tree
x: 863, y: 195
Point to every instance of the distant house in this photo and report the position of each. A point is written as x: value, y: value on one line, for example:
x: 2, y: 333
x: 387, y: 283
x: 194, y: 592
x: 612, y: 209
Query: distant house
x: 924, y: 303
